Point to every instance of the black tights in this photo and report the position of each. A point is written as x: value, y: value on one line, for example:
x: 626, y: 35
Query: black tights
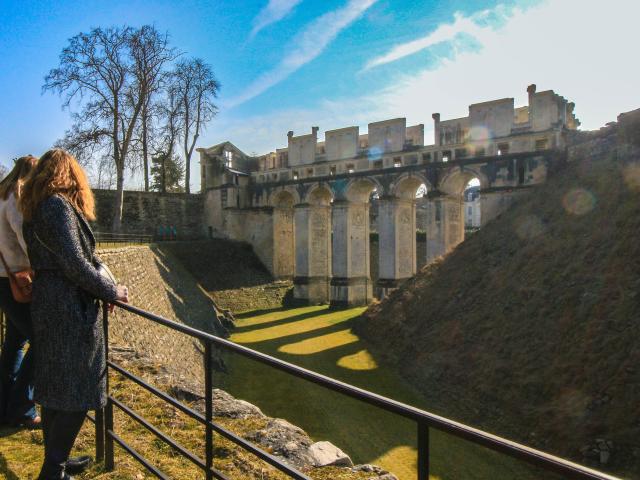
x: 59, y: 430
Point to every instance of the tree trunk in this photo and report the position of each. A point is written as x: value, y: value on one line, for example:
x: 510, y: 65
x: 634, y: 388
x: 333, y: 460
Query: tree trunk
x: 117, y: 216
x: 187, y: 176
x: 164, y: 174
x: 145, y: 149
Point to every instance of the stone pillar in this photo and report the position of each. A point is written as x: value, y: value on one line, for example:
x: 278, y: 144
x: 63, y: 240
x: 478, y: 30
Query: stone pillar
x: 283, y: 242
x: 351, y: 281
x: 313, y: 253
x: 397, y: 242
x: 446, y: 225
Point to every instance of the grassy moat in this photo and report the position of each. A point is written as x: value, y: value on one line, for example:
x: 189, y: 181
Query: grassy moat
x: 322, y: 340
x: 316, y: 338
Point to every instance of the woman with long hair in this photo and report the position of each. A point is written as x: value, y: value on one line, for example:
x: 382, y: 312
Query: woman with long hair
x: 68, y: 338
x: 16, y: 373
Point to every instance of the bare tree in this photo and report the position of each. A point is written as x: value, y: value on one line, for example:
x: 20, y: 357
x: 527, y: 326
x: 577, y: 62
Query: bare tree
x: 170, y: 113
x: 109, y: 74
x: 197, y: 88
x: 151, y: 53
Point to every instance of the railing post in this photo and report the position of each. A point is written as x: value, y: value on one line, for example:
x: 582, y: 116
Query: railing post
x: 108, y: 411
x: 423, y: 452
x: 100, y: 435
x: 208, y: 392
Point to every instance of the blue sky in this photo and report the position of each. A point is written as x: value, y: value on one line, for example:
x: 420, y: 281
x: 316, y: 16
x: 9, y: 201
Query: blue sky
x: 290, y: 64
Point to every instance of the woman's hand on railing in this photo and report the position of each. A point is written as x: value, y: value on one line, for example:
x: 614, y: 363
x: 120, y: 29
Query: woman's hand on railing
x: 122, y: 295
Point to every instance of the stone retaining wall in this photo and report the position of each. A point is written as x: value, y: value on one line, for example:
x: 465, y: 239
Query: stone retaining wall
x: 145, y: 212
x: 160, y: 284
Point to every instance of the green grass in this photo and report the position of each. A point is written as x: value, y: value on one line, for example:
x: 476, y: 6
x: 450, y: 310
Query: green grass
x: 322, y: 340
x: 21, y: 451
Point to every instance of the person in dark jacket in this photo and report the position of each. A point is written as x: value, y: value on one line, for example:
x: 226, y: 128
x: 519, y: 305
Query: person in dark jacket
x: 68, y: 338
x: 16, y: 373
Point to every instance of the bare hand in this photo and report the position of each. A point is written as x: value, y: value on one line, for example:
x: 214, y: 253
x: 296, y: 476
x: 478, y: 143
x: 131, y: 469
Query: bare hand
x: 122, y: 294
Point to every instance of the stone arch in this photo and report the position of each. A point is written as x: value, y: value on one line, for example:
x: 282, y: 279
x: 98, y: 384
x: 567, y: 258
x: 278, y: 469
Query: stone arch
x: 358, y: 190
x: 407, y: 184
x: 320, y: 194
x: 285, y: 198
x: 456, y: 179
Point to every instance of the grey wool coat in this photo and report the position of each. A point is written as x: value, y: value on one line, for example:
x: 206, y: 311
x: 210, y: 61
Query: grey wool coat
x: 68, y: 336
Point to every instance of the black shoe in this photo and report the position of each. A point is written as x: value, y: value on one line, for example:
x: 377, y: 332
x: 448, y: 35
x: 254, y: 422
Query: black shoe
x: 77, y: 465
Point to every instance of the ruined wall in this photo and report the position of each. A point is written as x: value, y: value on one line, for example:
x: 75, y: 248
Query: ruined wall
x: 254, y: 226
x: 159, y: 283
x: 144, y: 212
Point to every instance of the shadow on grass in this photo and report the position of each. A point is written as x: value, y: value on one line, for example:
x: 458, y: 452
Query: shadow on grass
x: 4, y: 466
x: 367, y: 433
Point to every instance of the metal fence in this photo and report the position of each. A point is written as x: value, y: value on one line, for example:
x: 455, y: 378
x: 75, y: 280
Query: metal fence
x: 122, y: 238
x: 106, y: 436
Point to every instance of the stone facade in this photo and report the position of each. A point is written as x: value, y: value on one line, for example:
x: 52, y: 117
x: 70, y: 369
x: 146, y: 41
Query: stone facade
x: 320, y: 195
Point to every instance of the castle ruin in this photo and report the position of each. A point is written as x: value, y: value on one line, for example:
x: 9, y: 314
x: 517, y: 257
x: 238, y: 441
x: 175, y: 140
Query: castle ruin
x: 306, y: 208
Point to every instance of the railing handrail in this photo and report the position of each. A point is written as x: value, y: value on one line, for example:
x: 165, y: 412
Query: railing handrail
x: 422, y: 417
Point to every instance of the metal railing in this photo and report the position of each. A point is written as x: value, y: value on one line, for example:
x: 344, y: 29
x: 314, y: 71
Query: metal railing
x: 106, y: 436
x: 130, y: 238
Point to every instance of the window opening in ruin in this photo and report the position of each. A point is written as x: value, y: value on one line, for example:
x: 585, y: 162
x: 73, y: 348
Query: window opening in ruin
x: 426, y: 157
x: 503, y: 148
x: 521, y: 173
x: 461, y: 152
x: 472, y: 199
x: 228, y: 158
x: 309, y: 172
x: 274, y: 176
x: 542, y: 144
x: 377, y: 164
x: 422, y: 191
x: 295, y: 175
x: 332, y: 170
x: 397, y: 162
x: 235, y: 179
x: 446, y: 155
x: 351, y: 168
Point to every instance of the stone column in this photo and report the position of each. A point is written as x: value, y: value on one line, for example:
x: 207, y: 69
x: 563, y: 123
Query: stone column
x: 283, y: 242
x: 313, y: 253
x: 446, y: 225
x: 351, y: 281
x: 397, y: 242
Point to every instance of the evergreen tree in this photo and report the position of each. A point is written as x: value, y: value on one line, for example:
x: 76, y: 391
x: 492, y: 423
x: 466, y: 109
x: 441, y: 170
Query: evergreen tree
x: 167, y: 173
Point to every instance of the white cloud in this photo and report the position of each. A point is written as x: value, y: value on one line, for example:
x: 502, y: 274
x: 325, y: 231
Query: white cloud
x: 578, y: 48
x: 445, y: 32
x: 305, y: 47
x: 273, y: 12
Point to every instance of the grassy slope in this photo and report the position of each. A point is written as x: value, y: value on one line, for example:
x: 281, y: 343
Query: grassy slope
x: 530, y: 328
x: 322, y: 340
x: 21, y: 451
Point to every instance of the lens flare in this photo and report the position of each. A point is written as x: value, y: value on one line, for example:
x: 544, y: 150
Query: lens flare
x: 375, y: 153
x: 479, y: 134
x: 578, y: 201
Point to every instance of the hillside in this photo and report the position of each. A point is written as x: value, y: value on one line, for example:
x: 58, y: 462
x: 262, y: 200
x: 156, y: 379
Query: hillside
x: 530, y: 328
x: 231, y: 273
